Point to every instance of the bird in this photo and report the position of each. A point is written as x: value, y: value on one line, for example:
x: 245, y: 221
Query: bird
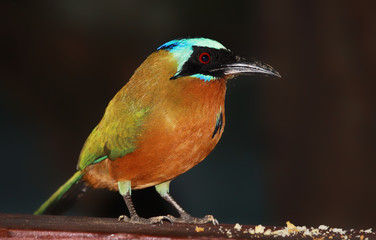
x: 165, y: 120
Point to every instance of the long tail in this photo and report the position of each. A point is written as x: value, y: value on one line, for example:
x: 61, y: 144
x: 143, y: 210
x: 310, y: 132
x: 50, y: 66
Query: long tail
x: 64, y: 196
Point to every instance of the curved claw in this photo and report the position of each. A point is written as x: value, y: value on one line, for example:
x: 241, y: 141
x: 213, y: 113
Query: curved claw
x: 140, y: 220
x: 123, y: 218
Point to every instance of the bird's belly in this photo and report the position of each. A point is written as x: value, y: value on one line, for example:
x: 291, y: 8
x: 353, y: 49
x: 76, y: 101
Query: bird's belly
x: 164, y: 155
x: 177, y: 135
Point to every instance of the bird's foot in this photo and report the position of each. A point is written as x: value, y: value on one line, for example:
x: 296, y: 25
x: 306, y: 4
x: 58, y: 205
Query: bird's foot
x: 140, y: 220
x: 186, y: 218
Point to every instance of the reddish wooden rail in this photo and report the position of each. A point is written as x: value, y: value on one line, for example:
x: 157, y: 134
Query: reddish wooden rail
x: 64, y: 227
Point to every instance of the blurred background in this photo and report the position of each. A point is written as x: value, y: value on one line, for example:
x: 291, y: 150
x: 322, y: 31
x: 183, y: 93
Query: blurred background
x: 300, y: 148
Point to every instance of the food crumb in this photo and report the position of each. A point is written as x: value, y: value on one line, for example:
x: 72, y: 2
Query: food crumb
x: 315, y: 231
x: 251, y: 231
x: 238, y: 227
x: 267, y: 232
x: 229, y: 234
x: 368, y: 230
x: 291, y: 227
x: 339, y: 230
x: 199, y: 229
x: 323, y: 227
x: 307, y: 233
x: 281, y: 233
x: 259, y: 229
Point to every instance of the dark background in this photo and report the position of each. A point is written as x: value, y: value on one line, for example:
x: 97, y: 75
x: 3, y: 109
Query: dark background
x: 300, y: 148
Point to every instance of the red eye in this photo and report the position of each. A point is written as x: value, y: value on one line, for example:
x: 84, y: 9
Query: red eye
x: 204, y: 57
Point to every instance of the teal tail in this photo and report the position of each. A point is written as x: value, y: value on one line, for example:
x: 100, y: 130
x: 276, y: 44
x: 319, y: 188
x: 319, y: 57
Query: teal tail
x: 64, y: 196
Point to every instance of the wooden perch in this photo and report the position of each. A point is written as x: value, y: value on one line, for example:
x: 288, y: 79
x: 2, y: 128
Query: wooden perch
x: 66, y: 227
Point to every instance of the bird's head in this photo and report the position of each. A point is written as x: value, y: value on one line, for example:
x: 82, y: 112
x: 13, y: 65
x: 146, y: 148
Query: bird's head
x: 209, y: 60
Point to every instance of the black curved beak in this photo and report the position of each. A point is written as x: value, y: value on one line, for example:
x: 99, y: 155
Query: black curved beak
x: 246, y: 67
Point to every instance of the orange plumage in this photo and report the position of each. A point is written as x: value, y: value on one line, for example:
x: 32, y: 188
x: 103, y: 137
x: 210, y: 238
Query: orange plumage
x: 176, y: 135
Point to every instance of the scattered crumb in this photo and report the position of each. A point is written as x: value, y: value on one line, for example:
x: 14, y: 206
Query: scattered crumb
x: 301, y: 228
x: 323, y: 227
x: 368, y: 230
x: 238, y: 227
x: 220, y: 229
x: 281, y: 233
x: 259, y: 229
x: 291, y: 227
x: 267, y: 232
x: 229, y: 234
x: 315, y: 231
x: 319, y: 233
x: 338, y: 230
x: 199, y: 229
x: 307, y: 233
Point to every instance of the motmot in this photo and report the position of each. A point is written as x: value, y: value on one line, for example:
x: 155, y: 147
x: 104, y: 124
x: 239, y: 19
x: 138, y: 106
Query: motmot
x: 165, y: 120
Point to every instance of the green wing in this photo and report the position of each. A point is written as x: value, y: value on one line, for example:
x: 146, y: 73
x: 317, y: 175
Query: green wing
x: 115, y: 136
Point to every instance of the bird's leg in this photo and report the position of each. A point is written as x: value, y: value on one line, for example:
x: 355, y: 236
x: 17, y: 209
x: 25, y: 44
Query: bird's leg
x: 186, y: 217
x: 125, y: 191
x: 163, y: 190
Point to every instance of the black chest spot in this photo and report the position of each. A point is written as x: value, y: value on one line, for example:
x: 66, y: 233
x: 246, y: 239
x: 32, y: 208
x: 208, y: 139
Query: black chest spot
x: 218, y: 124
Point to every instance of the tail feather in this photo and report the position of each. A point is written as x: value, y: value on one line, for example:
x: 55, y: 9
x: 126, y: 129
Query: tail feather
x: 64, y: 196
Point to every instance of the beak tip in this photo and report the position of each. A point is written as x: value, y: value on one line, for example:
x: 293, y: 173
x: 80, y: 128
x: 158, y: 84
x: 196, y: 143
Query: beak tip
x: 269, y: 70
x: 277, y: 74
